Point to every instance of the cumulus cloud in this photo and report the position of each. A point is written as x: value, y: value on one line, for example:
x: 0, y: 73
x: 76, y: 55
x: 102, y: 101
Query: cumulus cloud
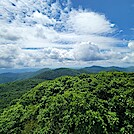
x: 65, y: 35
x: 131, y: 45
x: 14, y: 56
x: 10, y: 35
x: 42, y: 19
x: 129, y: 58
x: 87, y: 51
x: 8, y: 54
x: 84, y: 22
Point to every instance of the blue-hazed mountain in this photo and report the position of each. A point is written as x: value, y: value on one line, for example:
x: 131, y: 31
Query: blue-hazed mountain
x: 52, y: 74
x: 96, y: 69
x: 55, y: 73
x: 49, y: 74
x: 20, y: 75
x: 18, y: 70
x: 9, y: 77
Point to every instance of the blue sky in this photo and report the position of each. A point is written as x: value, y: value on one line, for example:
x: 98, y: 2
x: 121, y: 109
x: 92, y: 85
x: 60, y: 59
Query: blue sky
x: 55, y: 33
x: 121, y: 12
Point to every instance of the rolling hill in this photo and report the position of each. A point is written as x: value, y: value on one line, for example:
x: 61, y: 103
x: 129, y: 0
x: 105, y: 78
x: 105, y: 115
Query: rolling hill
x: 13, y: 90
x: 86, y: 104
x: 97, y: 69
x: 12, y: 76
x: 49, y: 74
x: 55, y: 73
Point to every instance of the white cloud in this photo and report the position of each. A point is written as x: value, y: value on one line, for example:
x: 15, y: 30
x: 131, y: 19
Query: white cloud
x: 8, y: 54
x: 68, y: 36
x: 85, y: 22
x: 87, y: 51
x: 9, y: 34
x: 42, y: 19
x: 14, y: 56
x: 131, y: 45
x: 128, y: 58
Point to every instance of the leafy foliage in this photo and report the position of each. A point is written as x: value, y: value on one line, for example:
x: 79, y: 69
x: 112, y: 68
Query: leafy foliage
x: 10, y: 92
x: 52, y: 74
x: 86, y: 104
x: 9, y: 77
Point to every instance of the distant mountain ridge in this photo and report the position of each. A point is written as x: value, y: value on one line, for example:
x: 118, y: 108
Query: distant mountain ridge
x: 18, y: 70
x: 10, y: 77
x: 49, y: 74
x: 55, y: 73
x: 96, y: 69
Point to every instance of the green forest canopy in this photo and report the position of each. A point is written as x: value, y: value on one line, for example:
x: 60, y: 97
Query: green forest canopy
x: 100, y: 103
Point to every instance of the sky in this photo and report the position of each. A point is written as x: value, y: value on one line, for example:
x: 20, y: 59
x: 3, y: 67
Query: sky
x: 66, y: 33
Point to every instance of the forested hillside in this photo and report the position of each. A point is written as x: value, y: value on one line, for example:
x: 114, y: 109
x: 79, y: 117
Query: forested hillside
x: 14, y: 90
x: 50, y: 74
x: 55, y: 73
x: 100, y: 103
x: 12, y: 76
x: 10, y: 92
